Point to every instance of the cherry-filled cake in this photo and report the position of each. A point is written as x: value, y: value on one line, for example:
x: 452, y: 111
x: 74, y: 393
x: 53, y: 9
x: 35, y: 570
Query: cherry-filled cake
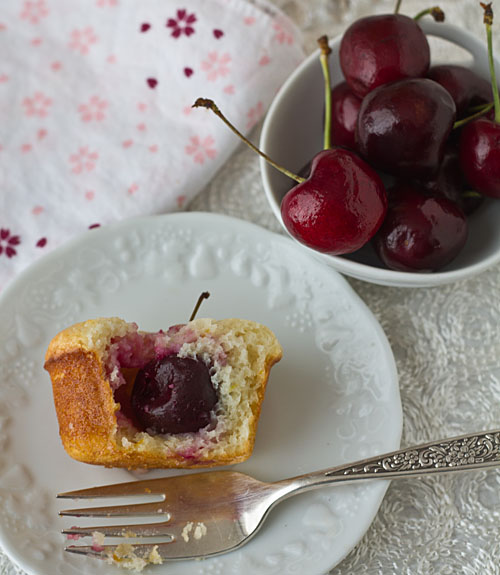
x: 186, y: 397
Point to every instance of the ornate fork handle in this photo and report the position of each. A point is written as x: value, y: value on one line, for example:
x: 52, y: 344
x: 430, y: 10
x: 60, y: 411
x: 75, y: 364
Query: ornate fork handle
x: 472, y: 451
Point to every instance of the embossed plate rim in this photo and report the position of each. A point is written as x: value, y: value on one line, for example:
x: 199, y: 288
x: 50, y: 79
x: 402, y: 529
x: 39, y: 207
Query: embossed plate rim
x: 217, y: 229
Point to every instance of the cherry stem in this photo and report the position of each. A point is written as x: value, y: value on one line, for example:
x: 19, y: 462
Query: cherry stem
x: 204, y: 295
x: 488, y: 20
x: 325, y: 52
x: 484, y: 110
x: 479, y: 107
x: 210, y: 105
x: 471, y: 194
x: 398, y: 6
x: 435, y: 12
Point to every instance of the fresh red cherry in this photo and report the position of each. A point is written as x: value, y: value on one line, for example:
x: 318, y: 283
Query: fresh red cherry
x: 463, y: 84
x: 345, y: 110
x: 377, y: 50
x: 480, y: 156
x: 342, y: 203
x: 420, y: 233
x: 173, y: 395
x: 403, y: 127
x: 339, y: 207
x: 480, y: 139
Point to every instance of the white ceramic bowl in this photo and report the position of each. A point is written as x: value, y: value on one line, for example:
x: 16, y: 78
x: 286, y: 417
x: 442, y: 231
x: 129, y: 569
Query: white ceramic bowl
x: 293, y: 133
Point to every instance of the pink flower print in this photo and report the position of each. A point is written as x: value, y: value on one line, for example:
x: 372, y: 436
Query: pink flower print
x: 181, y: 24
x: 34, y: 10
x: 38, y: 105
x: 83, y: 161
x: 216, y: 65
x: 7, y: 243
x: 82, y: 40
x: 254, y: 115
x: 93, y: 110
x: 282, y: 33
x: 201, y: 149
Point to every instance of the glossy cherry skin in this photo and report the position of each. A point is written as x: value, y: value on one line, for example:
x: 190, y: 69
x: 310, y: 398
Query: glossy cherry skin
x: 463, y: 84
x: 345, y: 110
x: 377, y: 50
x: 480, y: 156
x: 403, y: 127
x: 339, y: 207
x: 173, y: 395
x: 420, y: 233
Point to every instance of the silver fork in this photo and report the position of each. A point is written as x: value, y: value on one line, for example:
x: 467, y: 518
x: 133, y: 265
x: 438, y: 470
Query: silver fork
x: 210, y: 513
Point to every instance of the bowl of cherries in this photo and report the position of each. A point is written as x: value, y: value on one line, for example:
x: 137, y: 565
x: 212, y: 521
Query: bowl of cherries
x: 384, y: 163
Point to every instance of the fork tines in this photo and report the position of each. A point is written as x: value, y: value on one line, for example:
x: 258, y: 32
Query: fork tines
x: 130, y: 552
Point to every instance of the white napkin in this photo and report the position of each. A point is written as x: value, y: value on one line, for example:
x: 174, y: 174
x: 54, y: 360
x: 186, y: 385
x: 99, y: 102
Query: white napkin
x: 96, y: 123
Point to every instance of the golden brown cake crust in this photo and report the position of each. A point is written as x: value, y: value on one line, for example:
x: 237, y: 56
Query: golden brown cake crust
x: 84, y: 404
x: 87, y: 411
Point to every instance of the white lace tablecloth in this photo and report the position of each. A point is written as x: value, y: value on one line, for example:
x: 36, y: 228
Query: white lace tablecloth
x: 447, y: 348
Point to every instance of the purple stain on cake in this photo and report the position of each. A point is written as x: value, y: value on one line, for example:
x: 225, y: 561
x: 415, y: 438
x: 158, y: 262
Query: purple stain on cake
x: 218, y: 34
x: 188, y: 72
x: 145, y: 27
x: 152, y: 82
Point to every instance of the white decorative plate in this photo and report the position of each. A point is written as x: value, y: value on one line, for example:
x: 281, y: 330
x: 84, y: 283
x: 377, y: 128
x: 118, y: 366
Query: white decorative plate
x: 334, y: 396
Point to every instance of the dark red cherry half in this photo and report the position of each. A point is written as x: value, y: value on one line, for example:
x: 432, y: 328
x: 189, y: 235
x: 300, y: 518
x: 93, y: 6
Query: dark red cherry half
x: 173, y: 395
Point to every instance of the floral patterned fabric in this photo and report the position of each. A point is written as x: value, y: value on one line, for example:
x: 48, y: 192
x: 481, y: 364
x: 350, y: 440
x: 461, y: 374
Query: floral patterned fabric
x: 96, y: 123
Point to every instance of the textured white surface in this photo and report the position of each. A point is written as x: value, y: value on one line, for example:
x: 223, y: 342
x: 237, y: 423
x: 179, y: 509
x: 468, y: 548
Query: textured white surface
x: 446, y: 343
x: 333, y: 398
x: 447, y: 348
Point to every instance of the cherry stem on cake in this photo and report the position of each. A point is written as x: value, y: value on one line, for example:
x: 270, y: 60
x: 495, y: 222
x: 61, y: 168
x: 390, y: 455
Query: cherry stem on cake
x: 325, y: 51
x: 203, y: 295
x: 398, y: 6
x: 481, y: 112
x: 210, y: 105
x: 435, y: 12
x: 488, y: 21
